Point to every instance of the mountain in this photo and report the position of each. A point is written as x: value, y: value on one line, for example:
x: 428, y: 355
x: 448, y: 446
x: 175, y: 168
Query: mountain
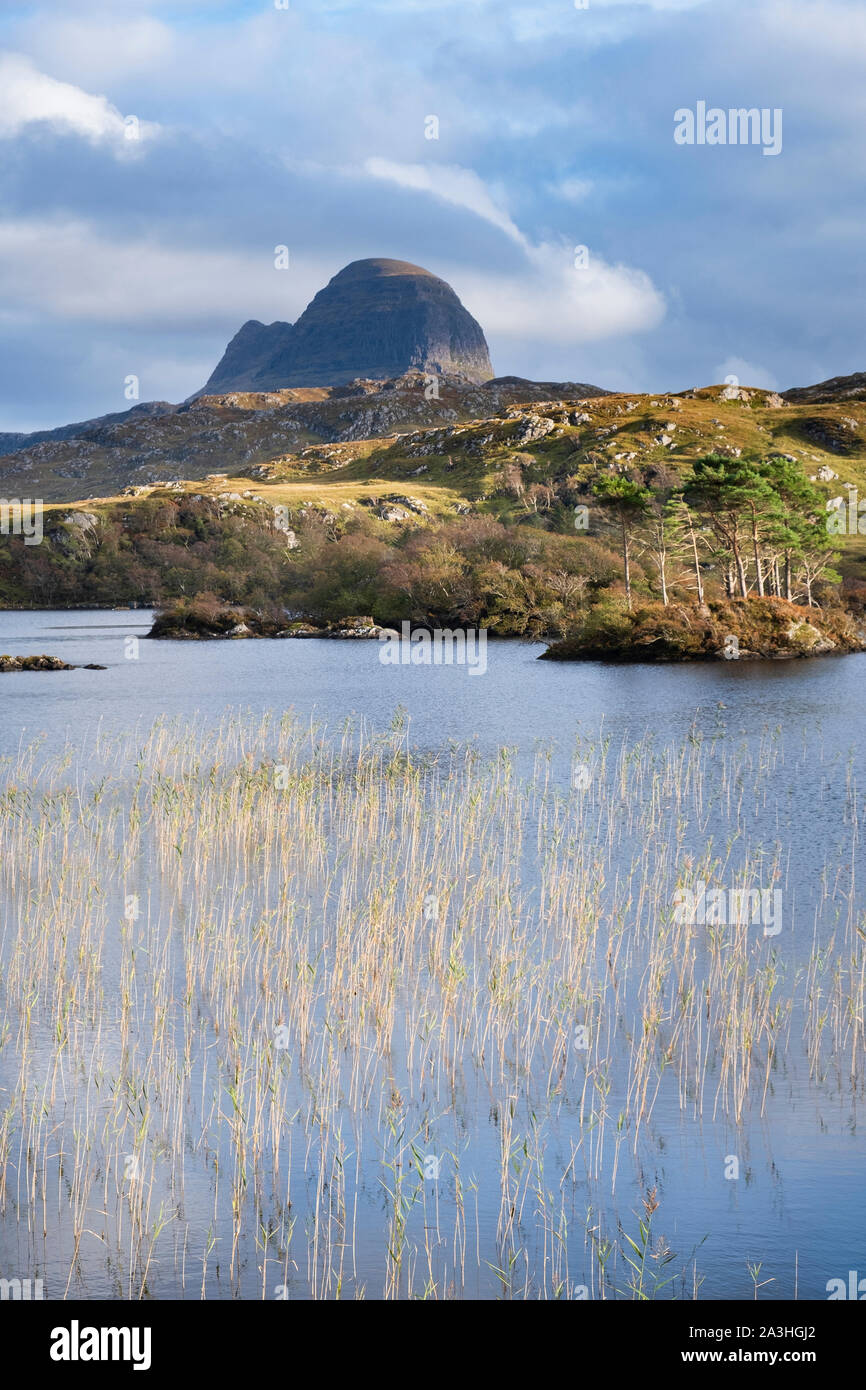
x: 375, y: 318
x: 838, y: 388
x: 84, y: 429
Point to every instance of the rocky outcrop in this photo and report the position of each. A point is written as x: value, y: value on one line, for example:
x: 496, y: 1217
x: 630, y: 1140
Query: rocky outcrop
x: 835, y: 435
x: 374, y: 319
x: 41, y: 663
x: 197, y: 620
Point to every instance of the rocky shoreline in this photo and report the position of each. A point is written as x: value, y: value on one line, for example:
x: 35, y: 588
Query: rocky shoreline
x: 42, y: 663
x: 232, y: 624
x: 753, y: 629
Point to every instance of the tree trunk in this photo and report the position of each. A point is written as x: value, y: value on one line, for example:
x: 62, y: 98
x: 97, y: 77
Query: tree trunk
x: 699, y: 581
x: 788, y: 575
x: 626, y: 560
x: 741, y: 570
x: 759, y: 572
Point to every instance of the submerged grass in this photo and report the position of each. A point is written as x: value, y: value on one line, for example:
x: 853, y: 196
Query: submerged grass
x: 286, y: 1013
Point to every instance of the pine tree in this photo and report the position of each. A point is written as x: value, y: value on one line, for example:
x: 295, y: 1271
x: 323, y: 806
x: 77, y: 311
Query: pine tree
x: 628, y: 502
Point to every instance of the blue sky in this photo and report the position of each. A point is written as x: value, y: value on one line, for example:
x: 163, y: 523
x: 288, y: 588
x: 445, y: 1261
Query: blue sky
x: 306, y: 127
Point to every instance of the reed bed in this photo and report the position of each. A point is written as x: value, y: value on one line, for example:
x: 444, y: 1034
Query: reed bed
x: 296, y: 1013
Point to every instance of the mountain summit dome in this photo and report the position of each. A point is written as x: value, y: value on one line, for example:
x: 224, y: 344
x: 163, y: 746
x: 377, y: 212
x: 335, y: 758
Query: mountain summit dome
x: 376, y: 318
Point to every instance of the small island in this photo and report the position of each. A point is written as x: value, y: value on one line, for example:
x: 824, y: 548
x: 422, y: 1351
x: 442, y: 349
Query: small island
x: 42, y: 663
x: 728, y: 630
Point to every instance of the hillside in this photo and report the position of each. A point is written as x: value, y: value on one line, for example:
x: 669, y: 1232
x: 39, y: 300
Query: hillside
x: 242, y: 429
x: 13, y: 442
x: 837, y: 389
x: 628, y: 527
x: 501, y: 441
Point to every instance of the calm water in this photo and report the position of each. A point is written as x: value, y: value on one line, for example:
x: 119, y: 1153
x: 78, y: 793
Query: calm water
x: 800, y: 1203
x: 517, y: 701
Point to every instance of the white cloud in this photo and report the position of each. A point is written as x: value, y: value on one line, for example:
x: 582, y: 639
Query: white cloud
x: 451, y: 184
x: 67, y: 270
x: 571, y: 190
x: 553, y: 302
x: 820, y: 26
x: 549, y: 299
x: 747, y: 374
x: 101, y: 47
x: 28, y: 97
x: 604, y: 21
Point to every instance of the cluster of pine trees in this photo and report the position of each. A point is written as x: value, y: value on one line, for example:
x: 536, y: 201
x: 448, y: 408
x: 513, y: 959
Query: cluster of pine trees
x: 761, y: 524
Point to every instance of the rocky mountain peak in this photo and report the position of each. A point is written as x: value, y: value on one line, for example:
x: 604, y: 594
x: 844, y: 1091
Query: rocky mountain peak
x: 376, y: 318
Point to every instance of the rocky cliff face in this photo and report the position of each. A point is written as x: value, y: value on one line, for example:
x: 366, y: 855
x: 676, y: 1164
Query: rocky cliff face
x: 375, y: 319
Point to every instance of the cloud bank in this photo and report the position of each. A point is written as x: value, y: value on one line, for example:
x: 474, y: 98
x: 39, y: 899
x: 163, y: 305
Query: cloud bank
x: 310, y: 127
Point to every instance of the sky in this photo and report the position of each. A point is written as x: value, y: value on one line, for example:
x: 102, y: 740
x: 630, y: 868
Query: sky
x: 155, y: 153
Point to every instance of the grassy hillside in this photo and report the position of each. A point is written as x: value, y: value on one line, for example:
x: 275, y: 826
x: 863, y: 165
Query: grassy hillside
x: 471, y: 521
